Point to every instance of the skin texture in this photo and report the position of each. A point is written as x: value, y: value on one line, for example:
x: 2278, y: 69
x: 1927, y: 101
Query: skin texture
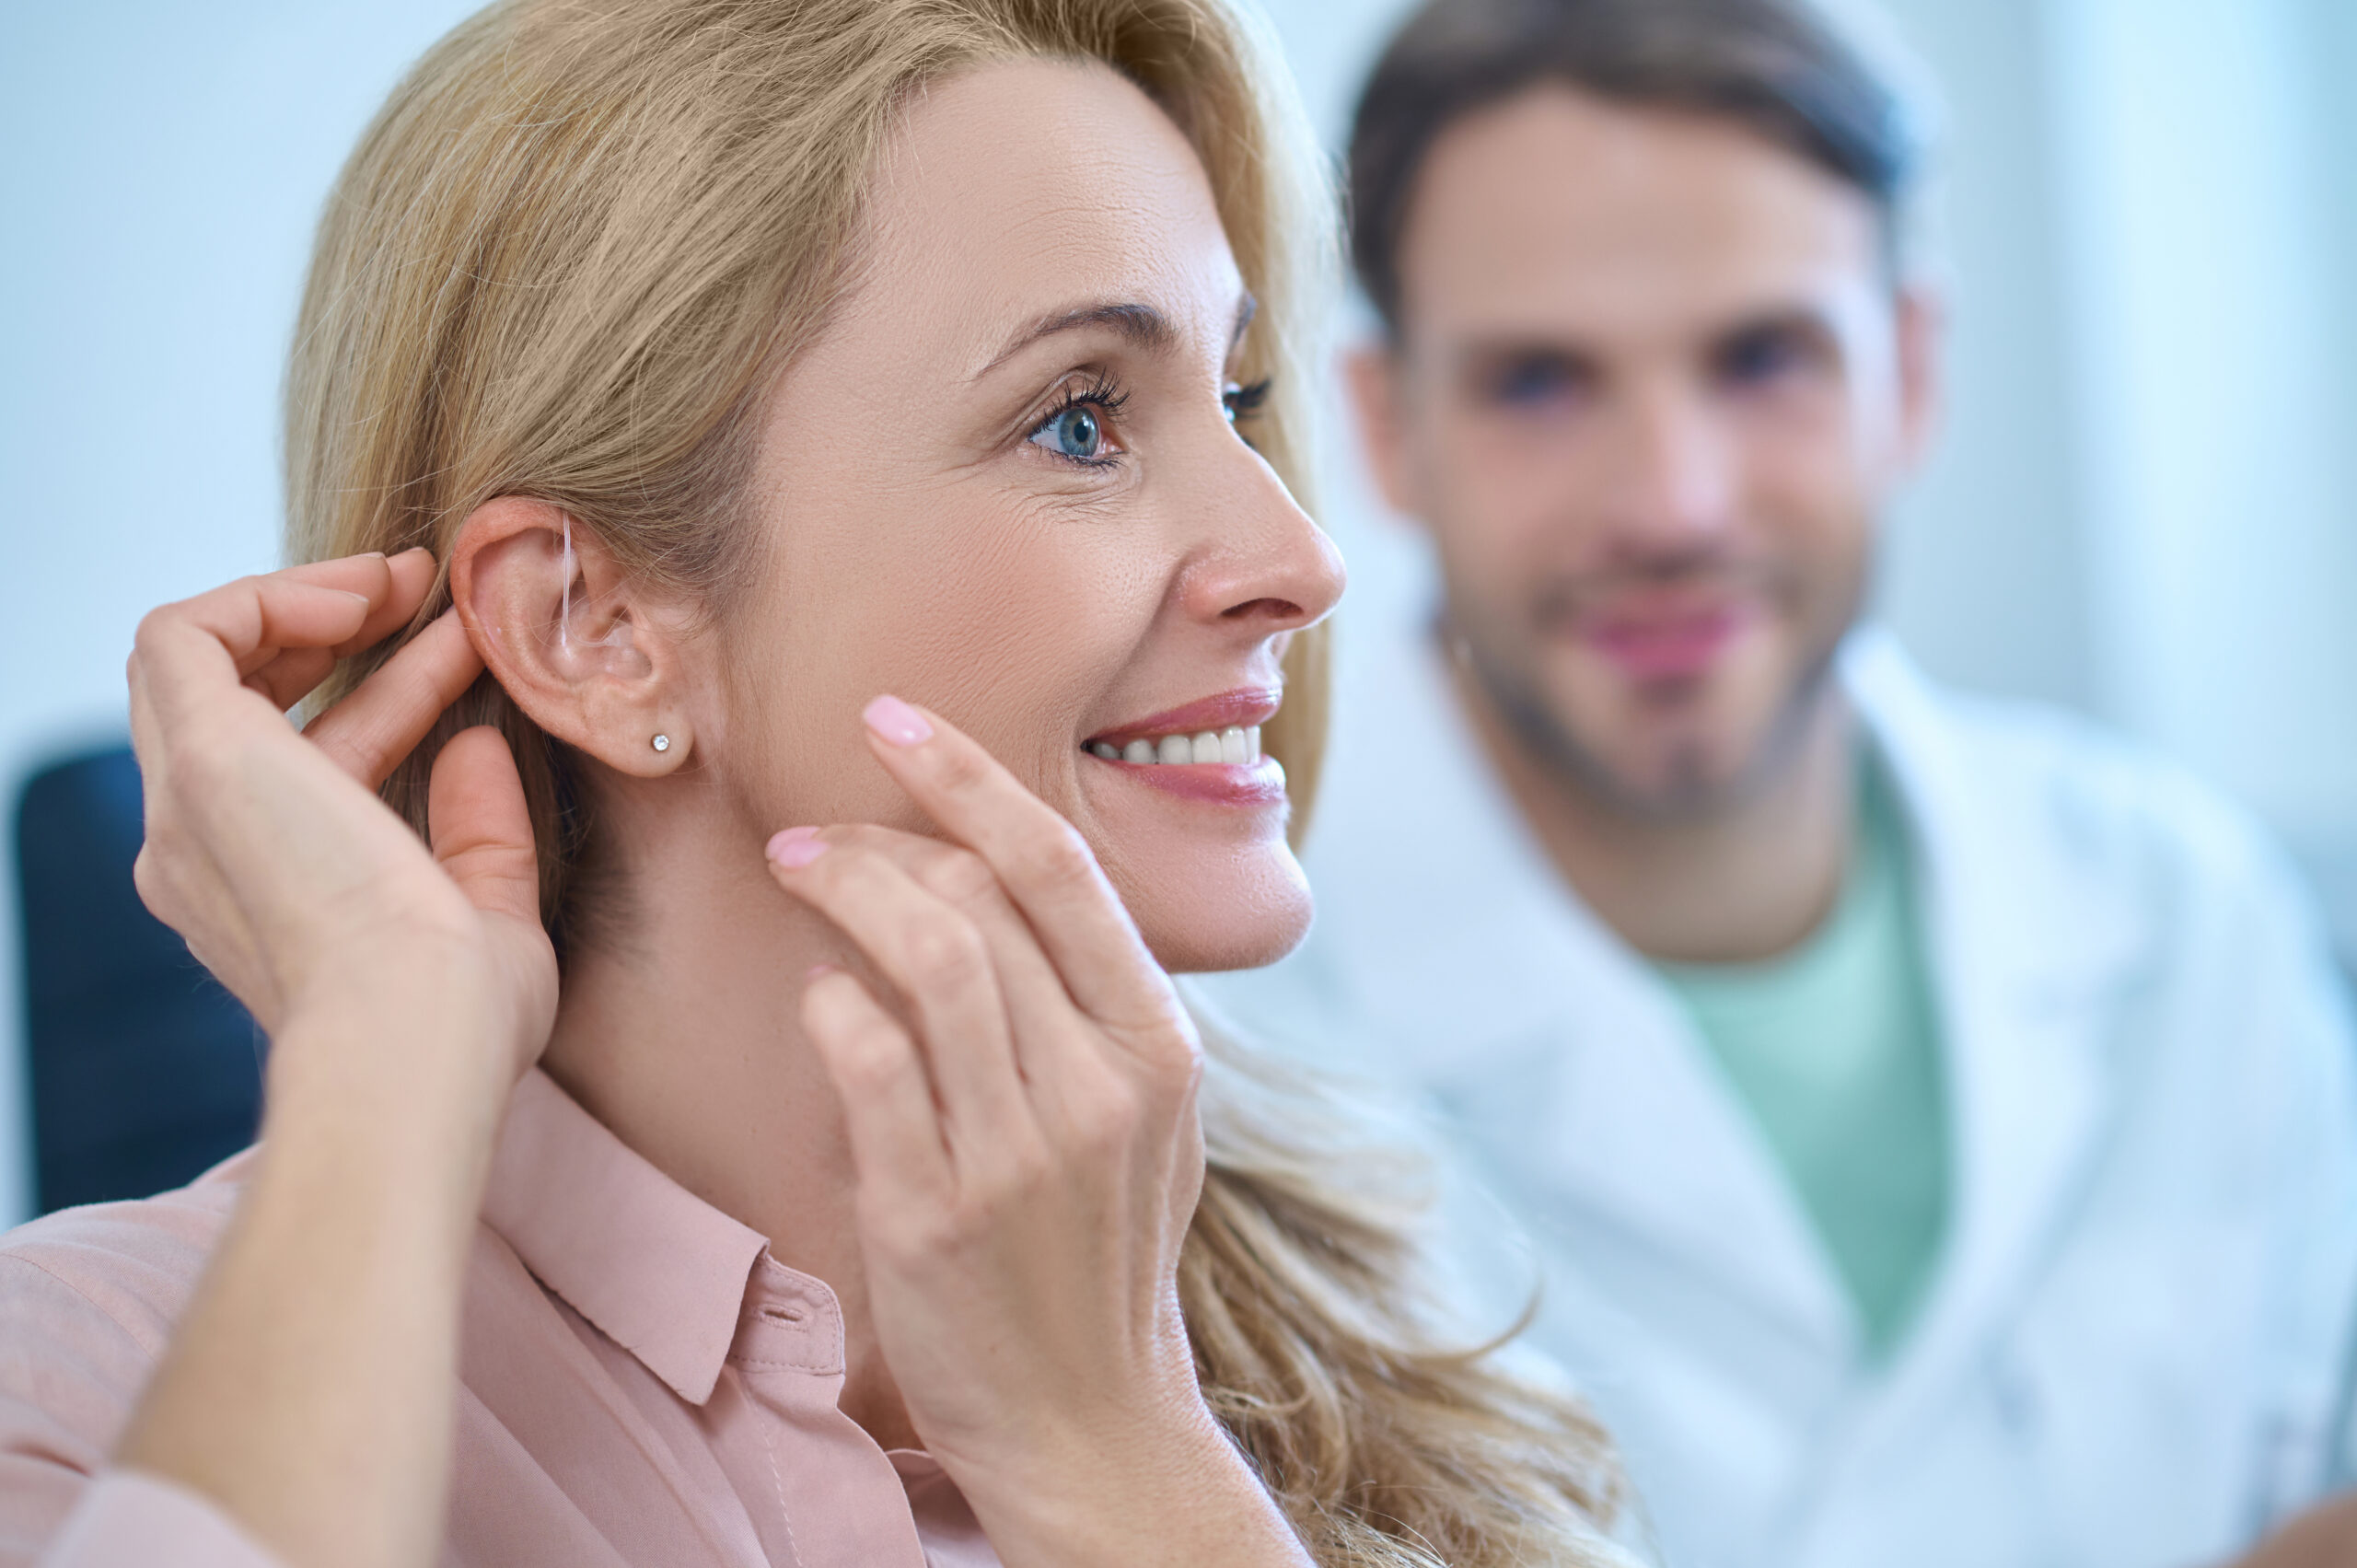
x: 930, y: 1053
x: 1649, y: 413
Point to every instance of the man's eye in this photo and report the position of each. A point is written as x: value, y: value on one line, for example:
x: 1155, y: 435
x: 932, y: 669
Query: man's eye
x: 1075, y: 432
x: 1534, y: 381
x: 1758, y: 357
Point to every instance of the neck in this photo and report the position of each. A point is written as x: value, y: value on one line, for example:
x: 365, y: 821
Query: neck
x: 1736, y: 883
x: 682, y: 1034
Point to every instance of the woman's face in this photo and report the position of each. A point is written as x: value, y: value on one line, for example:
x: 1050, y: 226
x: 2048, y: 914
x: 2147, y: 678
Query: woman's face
x: 1012, y: 482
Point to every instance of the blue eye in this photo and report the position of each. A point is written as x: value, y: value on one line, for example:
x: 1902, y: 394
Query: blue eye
x: 1075, y: 431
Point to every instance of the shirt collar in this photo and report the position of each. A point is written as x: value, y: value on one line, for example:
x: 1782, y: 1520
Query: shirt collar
x: 657, y: 1270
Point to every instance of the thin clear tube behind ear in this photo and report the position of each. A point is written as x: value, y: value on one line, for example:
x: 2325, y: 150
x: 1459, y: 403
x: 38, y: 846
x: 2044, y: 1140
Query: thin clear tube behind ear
x: 568, y: 566
x: 564, y: 614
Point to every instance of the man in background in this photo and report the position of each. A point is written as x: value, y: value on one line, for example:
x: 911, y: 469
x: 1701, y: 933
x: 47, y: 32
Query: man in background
x: 1934, y: 1120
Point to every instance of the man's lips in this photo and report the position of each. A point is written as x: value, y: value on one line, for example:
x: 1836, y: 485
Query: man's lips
x: 1667, y: 643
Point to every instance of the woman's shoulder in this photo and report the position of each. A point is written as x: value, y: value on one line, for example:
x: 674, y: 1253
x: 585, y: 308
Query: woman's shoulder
x: 128, y: 1266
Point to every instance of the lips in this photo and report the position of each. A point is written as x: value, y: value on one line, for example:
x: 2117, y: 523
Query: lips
x: 1207, y: 750
x: 1666, y: 643
x: 1245, y: 707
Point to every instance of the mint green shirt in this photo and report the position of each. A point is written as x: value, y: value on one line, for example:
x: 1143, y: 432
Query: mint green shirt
x: 1835, y: 1049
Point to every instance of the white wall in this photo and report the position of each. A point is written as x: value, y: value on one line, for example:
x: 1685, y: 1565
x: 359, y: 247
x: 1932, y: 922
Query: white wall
x: 160, y: 168
x: 2215, y: 400
x: 2140, y: 509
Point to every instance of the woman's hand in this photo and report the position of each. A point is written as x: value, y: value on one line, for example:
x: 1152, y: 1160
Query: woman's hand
x: 308, y: 1389
x: 268, y: 851
x: 1024, y: 1131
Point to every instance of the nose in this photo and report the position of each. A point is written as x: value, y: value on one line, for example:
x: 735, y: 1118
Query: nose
x: 1670, y: 488
x: 1261, y: 565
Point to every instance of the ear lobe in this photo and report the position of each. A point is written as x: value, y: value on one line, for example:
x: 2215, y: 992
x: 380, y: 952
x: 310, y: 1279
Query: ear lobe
x: 1922, y: 337
x: 569, y: 634
x: 1373, y: 373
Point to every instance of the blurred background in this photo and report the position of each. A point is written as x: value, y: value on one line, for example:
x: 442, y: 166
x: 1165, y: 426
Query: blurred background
x: 2145, y: 507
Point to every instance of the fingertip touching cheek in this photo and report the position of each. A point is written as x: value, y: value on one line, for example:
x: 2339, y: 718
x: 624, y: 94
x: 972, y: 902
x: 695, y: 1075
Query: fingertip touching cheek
x: 1013, y: 482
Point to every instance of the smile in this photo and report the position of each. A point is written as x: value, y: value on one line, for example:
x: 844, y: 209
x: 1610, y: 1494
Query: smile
x: 1207, y: 750
x: 1221, y: 731
x: 1234, y: 746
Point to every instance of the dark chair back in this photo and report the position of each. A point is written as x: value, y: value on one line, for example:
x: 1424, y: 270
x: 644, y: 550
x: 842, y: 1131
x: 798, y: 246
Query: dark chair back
x: 143, y: 1071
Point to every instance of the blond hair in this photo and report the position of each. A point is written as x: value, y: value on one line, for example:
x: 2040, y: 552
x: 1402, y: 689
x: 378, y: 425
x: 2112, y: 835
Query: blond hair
x: 568, y: 260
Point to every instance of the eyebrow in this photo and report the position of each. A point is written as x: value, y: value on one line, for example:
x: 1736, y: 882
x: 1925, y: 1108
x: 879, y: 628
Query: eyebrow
x: 1484, y: 353
x: 1142, y: 325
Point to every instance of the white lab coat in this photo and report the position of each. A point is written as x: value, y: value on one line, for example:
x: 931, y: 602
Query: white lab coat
x: 2135, y: 1350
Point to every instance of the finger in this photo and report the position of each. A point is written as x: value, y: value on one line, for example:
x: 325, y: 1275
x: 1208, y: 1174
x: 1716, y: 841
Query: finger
x: 370, y: 731
x: 1044, y: 1021
x: 480, y: 827
x: 896, y: 1142
x: 1042, y: 859
x: 395, y: 589
x: 195, y: 651
x: 290, y: 675
x: 936, y: 959
x: 408, y: 578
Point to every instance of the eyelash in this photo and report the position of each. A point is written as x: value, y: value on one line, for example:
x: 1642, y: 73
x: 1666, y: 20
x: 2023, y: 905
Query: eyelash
x: 1108, y: 395
x: 1245, y: 402
x: 1103, y: 394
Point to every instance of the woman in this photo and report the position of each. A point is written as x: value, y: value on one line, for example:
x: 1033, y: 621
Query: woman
x: 674, y: 378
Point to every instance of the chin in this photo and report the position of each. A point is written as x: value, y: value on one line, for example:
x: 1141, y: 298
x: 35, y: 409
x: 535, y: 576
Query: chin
x: 1252, y: 916
x: 1667, y: 748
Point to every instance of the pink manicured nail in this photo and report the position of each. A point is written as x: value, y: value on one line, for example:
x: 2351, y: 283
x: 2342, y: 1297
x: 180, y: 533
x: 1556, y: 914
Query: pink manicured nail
x: 897, y: 722
x: 797, y: 847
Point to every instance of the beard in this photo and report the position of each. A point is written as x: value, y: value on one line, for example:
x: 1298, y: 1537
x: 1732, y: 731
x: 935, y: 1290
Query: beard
x: 1694, y: 781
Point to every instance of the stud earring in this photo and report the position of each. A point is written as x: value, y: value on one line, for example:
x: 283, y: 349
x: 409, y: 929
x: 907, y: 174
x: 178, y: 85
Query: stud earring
x: 662, y: 743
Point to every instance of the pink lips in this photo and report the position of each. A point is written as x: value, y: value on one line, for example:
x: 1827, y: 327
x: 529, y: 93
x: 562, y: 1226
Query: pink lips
x: 1245, y: 706
x: 1258, y: 783
x: 1667, y: 645
x: 1252, y: 784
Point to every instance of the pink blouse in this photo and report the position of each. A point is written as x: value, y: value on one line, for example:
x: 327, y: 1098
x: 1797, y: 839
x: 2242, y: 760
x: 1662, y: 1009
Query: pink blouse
x: 641, y: 1383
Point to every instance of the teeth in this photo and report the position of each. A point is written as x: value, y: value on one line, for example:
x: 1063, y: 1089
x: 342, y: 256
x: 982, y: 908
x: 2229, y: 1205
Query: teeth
x: 1234, y: 746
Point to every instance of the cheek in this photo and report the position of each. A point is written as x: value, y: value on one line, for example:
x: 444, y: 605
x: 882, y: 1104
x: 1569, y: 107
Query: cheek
x: 1009, y: 620
x: 1022, y: 621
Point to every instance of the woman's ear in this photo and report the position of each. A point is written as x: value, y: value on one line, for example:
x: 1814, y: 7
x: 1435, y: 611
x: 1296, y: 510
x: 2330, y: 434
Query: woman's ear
x: 577, y: 642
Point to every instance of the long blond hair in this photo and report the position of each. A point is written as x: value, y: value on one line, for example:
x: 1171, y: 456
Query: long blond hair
x: 567, y: 260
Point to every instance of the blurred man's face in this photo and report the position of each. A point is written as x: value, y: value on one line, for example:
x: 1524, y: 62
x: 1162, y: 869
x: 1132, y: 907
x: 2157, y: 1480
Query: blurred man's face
x: 1653, y: 386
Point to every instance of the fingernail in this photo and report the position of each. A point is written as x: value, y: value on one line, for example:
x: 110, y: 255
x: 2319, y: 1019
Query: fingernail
x: 817, y: 972
x: 897, y: 722
x: 797, y: 847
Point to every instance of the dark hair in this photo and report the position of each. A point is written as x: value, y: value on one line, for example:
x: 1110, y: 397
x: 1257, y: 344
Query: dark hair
x: 1775, y: 66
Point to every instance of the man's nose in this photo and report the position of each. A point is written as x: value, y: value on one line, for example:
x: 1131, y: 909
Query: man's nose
x: 1670, y: 481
